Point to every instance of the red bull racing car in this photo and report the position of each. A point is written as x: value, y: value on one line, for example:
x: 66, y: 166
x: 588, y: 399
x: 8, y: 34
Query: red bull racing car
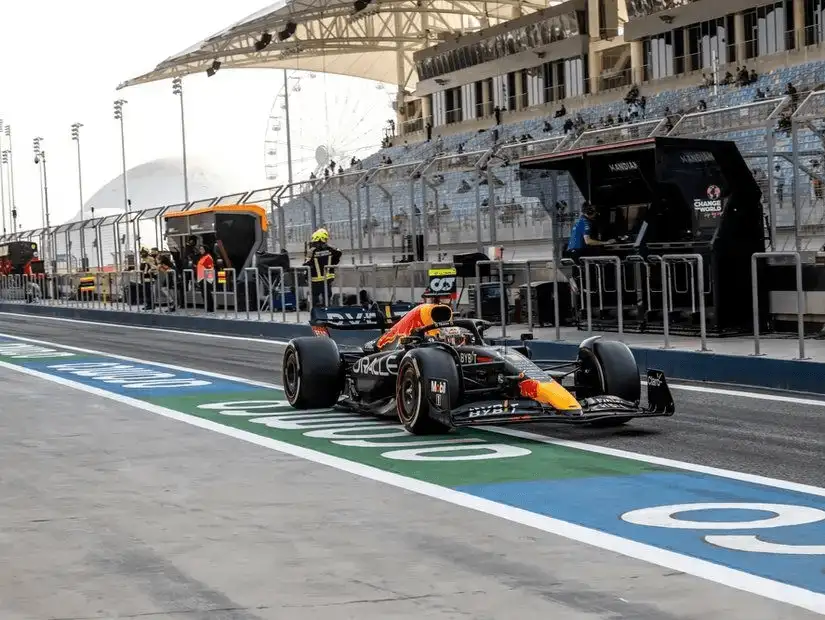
x: 435, y: 372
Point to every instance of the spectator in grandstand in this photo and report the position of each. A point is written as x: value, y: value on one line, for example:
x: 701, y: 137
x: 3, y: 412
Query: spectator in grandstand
x: 703, y: 105
x: 632, y: 95
x: 568, y: 126
x: 562, y: 111
x: 784, y: 123
x: 753, y: 78
x: 790, y: 90
x: 728, y: 78
x: 547, y: 127
x: 760, y: 94
x: 429, y: 129
x: 497, y: 114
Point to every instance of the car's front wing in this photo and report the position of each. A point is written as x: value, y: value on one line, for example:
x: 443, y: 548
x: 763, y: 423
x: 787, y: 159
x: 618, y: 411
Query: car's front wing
x: 525, y: 410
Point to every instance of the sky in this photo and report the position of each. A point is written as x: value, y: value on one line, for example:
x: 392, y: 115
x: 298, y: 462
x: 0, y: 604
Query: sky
x: 62, y: 62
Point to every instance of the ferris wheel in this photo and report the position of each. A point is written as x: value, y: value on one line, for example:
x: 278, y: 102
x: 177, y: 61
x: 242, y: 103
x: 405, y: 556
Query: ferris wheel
x: 332, y: 118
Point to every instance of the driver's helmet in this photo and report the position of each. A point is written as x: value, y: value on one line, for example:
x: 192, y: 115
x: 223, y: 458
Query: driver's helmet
x: 452, y: 335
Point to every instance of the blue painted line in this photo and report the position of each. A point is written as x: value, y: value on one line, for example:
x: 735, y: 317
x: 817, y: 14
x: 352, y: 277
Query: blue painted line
x: 156, y: 381
x: 600, y: 502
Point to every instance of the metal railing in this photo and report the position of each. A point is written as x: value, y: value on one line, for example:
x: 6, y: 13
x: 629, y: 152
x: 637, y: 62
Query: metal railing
x: 800, y: 298
x: 129, y: 291
x: 617, y: 263
x: 690, y: 259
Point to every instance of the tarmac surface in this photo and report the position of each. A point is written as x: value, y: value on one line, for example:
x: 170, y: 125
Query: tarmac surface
x: 113, y: 512
x: 769, y: 438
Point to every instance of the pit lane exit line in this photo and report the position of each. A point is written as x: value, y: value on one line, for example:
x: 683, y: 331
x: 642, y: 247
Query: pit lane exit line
x: 704, y: 569
x: 795, y: 400
x: 513, y: 432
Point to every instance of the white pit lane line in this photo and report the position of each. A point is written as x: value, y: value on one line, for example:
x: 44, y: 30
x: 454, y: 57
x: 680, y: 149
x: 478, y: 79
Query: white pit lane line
x: 703, y: 569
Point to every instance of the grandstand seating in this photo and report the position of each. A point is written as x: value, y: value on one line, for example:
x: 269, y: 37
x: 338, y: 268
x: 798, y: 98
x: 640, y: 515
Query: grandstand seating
x: 522, y: 218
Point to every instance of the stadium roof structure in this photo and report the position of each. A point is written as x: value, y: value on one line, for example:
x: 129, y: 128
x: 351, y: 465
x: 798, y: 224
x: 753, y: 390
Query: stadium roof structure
x: 373, y: 39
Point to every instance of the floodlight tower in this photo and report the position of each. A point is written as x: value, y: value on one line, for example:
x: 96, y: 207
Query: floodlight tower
x: 76, y: 137
x: 126, y: 204
x: 177, y: 89
x: 40, y: 160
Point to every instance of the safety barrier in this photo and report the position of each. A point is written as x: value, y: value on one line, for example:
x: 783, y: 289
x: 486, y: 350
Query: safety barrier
x: 588, y: 281
x: 690, y: 260
x: 800, y: 298
x: 616, y: 261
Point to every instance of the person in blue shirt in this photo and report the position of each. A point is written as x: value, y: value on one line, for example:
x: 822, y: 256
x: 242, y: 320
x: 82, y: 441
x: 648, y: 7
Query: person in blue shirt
x: 580, y: 236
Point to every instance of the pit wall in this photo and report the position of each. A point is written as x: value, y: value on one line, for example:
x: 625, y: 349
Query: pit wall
x: 739, y: 370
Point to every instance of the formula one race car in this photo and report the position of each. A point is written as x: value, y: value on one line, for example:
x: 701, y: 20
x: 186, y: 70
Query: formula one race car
x: 435, y: 372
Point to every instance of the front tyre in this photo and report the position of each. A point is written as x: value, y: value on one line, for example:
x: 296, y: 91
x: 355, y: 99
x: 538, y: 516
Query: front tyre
x: 415, y: 372
x: 607, y: 367
x: 312, y: 373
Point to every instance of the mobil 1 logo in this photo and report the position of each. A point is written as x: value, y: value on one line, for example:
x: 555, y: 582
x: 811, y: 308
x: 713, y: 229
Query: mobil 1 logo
x: 439, y: 393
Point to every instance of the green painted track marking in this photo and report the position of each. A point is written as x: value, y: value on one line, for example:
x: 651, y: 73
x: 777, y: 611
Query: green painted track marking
x: 544, y: 461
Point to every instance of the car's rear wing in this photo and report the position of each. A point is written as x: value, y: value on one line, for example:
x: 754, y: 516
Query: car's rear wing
x: 358, y: 317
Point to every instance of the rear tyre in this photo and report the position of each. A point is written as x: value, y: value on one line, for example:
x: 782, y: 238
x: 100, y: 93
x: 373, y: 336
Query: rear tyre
x: 312, y: 373
x: 608, y: 368
x: 416, y: 370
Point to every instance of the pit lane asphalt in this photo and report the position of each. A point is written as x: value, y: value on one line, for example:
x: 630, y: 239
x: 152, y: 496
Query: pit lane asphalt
x: 113, y: 512
x: 780, y: 440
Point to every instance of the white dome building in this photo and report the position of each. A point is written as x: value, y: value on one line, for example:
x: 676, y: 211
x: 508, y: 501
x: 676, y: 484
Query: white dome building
x: 159, y: 183
x: 154, y: 184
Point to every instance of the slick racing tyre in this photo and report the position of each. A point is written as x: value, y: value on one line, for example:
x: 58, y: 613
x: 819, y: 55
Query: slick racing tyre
x: 415, y: 372
x: 312, y: 373
x: 608, y: 368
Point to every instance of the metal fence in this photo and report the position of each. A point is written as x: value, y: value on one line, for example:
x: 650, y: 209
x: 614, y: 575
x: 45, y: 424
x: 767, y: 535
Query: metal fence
x: 466, y: 200
x: 283, y: 295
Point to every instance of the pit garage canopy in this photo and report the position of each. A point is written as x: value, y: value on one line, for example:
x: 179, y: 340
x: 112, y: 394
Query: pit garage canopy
x: 373, y: 39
